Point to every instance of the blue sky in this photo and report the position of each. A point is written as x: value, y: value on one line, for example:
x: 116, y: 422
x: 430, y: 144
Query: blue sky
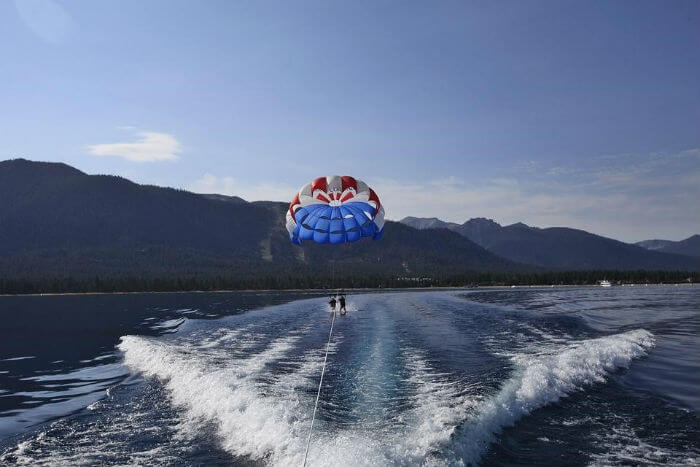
x: 584, y: 114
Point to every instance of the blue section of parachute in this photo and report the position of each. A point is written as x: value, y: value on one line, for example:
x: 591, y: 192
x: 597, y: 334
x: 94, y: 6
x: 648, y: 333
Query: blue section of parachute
x: 335, y: 224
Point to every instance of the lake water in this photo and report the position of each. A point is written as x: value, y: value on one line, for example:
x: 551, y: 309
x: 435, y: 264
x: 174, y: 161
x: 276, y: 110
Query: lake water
x: 551, y: 376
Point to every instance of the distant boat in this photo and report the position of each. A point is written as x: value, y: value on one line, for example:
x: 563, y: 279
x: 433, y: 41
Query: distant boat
x: 605, y: 283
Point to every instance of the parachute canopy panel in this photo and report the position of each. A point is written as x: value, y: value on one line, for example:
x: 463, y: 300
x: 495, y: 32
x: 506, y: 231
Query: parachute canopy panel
x: 335, y: 209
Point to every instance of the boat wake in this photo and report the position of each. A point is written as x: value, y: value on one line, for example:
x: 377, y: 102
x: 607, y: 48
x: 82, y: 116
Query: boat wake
x: 542, y: 380
x: 248, y: 423
x: 444, y: 421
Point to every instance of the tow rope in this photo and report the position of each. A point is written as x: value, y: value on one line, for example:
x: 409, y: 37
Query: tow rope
x: 318, y: 394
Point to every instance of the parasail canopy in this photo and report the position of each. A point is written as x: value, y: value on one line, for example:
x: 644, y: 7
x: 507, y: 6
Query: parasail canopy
x: 335, y: 209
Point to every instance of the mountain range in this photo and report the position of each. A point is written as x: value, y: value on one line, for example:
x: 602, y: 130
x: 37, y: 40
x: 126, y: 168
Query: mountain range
x: 562, y: 247
x: 56, y: 220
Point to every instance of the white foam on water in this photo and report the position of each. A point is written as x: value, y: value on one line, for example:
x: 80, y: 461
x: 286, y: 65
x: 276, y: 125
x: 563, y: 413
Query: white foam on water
x: 439, y: 404
x: 248, y: 423
x: 436, y: 406
x: 222, y: 336
x: 622, y: 446
x: 307, y: 372
x: 547, y: 336
x: 217, y: 338
x: 544, y: 379
x: 62, y: 443
x: 170, y: 324
x: 14, y: 359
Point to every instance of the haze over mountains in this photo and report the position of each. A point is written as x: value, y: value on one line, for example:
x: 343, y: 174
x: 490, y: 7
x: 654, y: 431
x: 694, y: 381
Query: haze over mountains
x: 57, y: 220
x: 690, y: 246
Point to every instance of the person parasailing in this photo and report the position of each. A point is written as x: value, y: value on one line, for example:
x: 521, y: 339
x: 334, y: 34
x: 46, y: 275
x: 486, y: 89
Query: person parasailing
x: 334, y: 209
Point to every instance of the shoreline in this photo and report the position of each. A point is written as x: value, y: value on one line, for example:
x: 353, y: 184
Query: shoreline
x: 360, y: 289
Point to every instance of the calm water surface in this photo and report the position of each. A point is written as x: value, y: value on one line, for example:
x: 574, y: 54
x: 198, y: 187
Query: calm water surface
x: 561, y: 376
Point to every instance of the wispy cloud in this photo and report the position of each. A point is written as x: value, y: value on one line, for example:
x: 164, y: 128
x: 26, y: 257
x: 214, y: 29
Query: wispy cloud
x: 149, y: 147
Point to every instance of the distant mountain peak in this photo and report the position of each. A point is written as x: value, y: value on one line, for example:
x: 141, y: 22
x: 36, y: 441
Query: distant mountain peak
x: 421, y: 223
x: 411, y: 218
x: 520, y: 225
x: 56, y: 168
x: 224, y: 198
x: 482, y: 220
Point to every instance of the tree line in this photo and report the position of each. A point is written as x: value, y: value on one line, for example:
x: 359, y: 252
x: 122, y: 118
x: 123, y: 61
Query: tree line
x: 69, y: 284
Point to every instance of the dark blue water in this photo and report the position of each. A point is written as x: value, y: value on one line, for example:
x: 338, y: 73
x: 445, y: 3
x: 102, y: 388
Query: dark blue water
x: 562, y: 376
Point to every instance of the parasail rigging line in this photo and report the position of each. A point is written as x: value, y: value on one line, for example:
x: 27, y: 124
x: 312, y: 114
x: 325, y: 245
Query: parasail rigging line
x: 318, y: 394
